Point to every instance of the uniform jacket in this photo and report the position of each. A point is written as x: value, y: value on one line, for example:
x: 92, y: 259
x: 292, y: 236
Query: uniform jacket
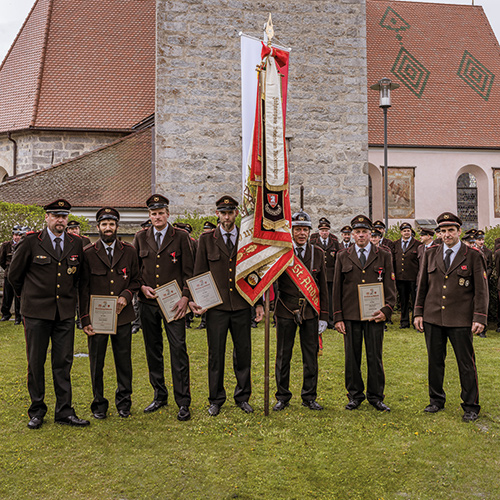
x: 342, y: 245
x: 174, y: 261
x: 349, y: 274
x: 99, y: 277
x: 45, y: 284
x: 497, y: 267
x: 6, y: 251
x: 289, y: 294
x: 388, y: 243
x: 456, y: 298
x: 213, y: 255
x: 406, y: 263
x: 331, y: 249
x: 488, y: 256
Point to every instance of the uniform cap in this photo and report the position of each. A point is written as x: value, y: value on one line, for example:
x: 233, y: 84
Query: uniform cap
x: 209, y: 225
x: 107, y: 213
x: 480, y: 234
x: 324, y: 223
x: 301, y: 219
x: 405, y: 225
x: 17, y: 229
x: 73, y: 223
x: 448, y: 219
x: 58, y: 207
x: 361, y: 222
x: 146, y: 224
x: 226, y: 204
x: 346, y: 229
x: 376, y: 232
x: 426, y: 231
x: 378, y: 224
x: 157, y: 201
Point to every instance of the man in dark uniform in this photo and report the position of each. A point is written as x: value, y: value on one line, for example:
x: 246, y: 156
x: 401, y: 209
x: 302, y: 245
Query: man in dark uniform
x: 330, y: 245
x: 165, y: 254
x: 426, y: 238
x: 363, y: 263
x: 346, y: 238
x: 7, y: 250
x: 110, y: 268
x: 216, y: 253
x: 452, y: 303
x: 406, y: 270
x: 488, y: 257
x: 73, y: 227
x: 386, y: 242
x: 293, y: 309
x: 44, y: 271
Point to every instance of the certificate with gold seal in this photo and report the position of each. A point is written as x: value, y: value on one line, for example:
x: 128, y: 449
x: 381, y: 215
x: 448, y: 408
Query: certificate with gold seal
x: 103, y: 314
x: 204, y: 290
x: 167, y: 296
x: 371, y: 299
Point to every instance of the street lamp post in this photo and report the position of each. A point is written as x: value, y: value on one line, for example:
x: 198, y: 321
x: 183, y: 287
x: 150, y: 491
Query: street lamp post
x: 385, y: 86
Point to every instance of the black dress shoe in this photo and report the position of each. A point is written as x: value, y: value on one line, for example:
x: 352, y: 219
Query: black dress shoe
x: 155, y: 405
x: 280, y: 405
x: 353, y: 404
x: 213, y: 410
x: 404, y: 326
x: 99, y: 415
x: 135, y: 329
x: 124, y: 413
x: 5, y: 318
x: 380, y: 406
x: 35, y: 422
x: 184, y: 413
x: 470, y: 416
x: 312, y: 405
x: 482, y: 334
x: 432, y: 408
x: 73, y: 420
x: 18, y: 321
x: 245, y: 407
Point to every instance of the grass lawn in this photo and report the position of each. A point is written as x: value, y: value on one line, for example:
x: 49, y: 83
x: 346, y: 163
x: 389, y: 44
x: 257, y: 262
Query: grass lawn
x: 297, y: 453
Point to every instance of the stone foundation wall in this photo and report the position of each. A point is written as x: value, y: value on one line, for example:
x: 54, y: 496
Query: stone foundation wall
x: 39, y: 149
x: 198, y: 111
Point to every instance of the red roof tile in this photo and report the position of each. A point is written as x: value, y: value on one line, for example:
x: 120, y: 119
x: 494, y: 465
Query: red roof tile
x: 116, y: 175
x: 81, y: 64
x: 447, y: 60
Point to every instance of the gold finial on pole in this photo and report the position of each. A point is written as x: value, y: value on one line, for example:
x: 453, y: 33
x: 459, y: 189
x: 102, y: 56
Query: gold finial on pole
x: 269, y: 30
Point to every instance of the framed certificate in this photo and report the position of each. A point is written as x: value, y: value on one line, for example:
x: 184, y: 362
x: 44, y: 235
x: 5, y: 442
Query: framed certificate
x: 204, y: 291
x: 103, y: 313
x: 371, y: 299
x: 167, y: 296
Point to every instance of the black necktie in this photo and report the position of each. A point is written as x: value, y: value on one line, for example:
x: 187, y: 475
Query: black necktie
x: 229, y: 243
x: 158, y: 240
x: 58, y: 248
x: 447, y: 259
x: 325, y: 243
x: 405, y: 246
x: 298, y: 251
x: 110, y: 254
x: 362, y: 256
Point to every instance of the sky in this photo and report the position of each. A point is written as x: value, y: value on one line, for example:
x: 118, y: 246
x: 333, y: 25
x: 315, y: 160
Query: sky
x: 14, y: 12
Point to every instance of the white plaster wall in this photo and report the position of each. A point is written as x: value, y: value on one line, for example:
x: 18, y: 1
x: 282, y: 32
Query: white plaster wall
x: 436, y: 174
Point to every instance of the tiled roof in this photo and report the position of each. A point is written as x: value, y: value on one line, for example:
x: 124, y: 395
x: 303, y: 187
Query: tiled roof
x: 116, y: 175
x: 447, y: 60
x: 80, y: 65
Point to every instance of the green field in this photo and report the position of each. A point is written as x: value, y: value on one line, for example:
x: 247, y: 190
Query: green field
x: 297, y: 453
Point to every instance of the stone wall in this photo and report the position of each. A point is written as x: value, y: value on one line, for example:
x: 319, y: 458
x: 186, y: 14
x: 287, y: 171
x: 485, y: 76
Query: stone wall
x: 41, y: 149
x: 198, y: 111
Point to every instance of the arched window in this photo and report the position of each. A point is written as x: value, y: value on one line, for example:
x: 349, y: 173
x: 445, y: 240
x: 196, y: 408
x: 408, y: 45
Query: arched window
x: 467, y: 200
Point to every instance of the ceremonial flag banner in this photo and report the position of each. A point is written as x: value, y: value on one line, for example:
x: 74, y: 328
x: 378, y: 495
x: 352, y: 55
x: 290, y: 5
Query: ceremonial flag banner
x: 265, y: 248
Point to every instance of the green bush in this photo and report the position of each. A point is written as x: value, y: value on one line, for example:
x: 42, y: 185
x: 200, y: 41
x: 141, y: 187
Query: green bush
x: 197, y: 221
x: 32, y: 216
x: 491, y: 234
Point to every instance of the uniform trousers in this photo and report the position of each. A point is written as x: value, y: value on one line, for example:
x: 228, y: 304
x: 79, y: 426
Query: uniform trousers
x: 309, y: 344
x: 238, y: 323
x: 407, y: 292
x: 121, y: 344
x: 151, y: 319
x: 373, y: 334
x: 61, y: 334
x: 8, y: 297
x: 436, y: 338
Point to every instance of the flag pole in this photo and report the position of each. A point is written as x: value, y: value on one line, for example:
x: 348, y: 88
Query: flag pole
x: 267, y: 325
